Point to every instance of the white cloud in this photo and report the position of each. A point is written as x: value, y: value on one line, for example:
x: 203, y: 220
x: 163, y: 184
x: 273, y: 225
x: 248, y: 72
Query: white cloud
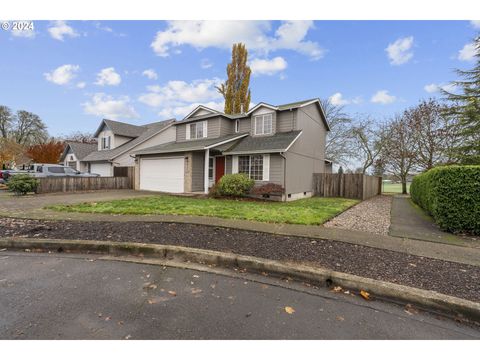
x: 475, y: 24
x: 63, y: 74
x: 182, y: 110
x: 467, y: 53
x: 151, y: 74
x: 290, y: 35
x: 103, y: 105
x: 383, y: 97
x: 433, y: 88
x: 178, y: 98
x: 268, y: 67
x: 59, y: 29
x: 206, y: 64
x: 108, y: 76
x: 81, y: 85
x: 337, y: 99
x: 399, y: 52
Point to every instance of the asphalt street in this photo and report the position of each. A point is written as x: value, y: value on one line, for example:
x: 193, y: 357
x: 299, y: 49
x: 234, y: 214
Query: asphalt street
x: 67, y: 296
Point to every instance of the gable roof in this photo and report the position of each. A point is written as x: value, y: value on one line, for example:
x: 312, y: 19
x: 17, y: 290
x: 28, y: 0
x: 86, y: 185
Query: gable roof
x: 190, y: 145
x: 201, y: 107
x: 81, y: 150
x: 279, y: 142
x: 121, y: 128
x: 149, y: 131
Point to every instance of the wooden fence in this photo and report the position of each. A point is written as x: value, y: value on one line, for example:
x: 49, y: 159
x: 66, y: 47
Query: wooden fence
x: 72, y: 184
x: 353, y: 186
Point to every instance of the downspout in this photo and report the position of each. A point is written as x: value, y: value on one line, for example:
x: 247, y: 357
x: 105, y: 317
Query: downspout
x: 284, y: 173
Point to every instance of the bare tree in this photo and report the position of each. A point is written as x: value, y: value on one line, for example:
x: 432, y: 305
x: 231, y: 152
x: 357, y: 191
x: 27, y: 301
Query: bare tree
x: 82, y: 137
x: 29, y: 129
x: 368, y: 142
x: 6, y: 121
x: 339, y: 145
x: 400, y: 146
x: 436, y: 134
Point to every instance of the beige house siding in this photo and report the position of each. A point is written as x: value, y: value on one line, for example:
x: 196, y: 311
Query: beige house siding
x: 213, y: 129
x: 227, y: 126
x: 286, y: 120
x: 307, y: 154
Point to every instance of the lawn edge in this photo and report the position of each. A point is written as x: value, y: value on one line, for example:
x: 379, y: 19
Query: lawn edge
x: 430, y: 301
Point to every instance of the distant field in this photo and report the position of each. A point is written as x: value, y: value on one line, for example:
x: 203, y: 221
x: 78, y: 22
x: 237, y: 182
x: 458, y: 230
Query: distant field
x: 394, y: 188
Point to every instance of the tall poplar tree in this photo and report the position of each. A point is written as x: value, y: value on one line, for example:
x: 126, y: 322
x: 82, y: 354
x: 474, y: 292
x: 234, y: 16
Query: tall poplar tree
x: 236, y: 90
x: 466, y: 110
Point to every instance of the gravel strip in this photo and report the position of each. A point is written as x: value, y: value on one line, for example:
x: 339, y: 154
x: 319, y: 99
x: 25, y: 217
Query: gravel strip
x: 372, y: 215
x: 442, y: 276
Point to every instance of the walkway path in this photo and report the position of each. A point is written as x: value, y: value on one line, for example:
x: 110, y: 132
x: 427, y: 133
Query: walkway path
x: 409, y: 221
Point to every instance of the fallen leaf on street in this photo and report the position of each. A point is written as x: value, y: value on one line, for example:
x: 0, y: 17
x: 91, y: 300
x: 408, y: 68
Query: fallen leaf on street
x: 149, y: 286
x: 340, y: 318
x: 365, y: 294
x: 289, y: 310
x: 196, y: 291
x: 410, y: 310
x: 173, y: 293
x: 158, y: 299
x: 196, y: 276
x: 337, y: 289
x: 4, y: 249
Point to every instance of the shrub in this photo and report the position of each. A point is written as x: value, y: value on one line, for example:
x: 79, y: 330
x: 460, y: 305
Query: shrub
x: 234, y: 185
x: 451, y: 194
x: 22, y: 184
x: 268, y: 189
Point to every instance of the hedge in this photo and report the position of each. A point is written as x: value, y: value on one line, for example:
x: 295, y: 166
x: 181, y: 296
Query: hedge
x: 234, y: 185
x: 451, y: 194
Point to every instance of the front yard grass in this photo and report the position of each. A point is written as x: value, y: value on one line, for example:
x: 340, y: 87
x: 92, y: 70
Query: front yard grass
x: 312, y: 211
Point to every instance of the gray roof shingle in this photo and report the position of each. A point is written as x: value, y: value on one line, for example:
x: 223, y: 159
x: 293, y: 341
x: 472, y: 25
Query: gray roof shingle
x: 122, y: 129
x: 274, y: 143
x: 148, y: 131
x: 81, y: 150
x: 189, y: 145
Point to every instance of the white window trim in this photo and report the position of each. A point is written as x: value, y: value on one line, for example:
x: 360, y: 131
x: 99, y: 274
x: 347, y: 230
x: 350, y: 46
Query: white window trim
x: 266, y: 166
x: 237, y: 126
x: 189, y: 134
x: 262, y: 118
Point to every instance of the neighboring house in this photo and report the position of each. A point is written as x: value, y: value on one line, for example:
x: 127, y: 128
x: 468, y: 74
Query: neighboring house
x: 117, y: 140
x: 75, y: 153
x: 282, y: 144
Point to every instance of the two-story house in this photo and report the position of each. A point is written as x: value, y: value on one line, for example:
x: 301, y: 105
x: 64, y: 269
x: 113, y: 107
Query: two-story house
x: 116, y: 141
x: 283, y: 144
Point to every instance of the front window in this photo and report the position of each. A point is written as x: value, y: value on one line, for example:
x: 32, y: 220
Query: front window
x: 251, y: 166
x: 210, y: 168
x: 106, y: 142
x: 263, y: 124
x: 196, y: 130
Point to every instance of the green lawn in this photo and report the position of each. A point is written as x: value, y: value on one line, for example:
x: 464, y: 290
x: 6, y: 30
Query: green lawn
x: 312, y: 211
x: 394, y: 188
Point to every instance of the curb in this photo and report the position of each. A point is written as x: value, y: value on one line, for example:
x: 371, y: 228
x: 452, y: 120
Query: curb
x: 426, y: 299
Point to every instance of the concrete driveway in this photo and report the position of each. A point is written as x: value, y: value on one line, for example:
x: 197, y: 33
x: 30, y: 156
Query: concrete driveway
x: 66, y: 296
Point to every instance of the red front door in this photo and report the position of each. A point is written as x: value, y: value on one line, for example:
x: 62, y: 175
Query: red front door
x: 219, y: 167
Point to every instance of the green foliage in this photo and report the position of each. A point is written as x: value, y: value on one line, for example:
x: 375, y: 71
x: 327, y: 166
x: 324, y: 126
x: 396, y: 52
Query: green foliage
x: 235, y: 90
x: 234, y: 185
x: 451, y: 194
x: 466, y: 109
x: 22, y: 184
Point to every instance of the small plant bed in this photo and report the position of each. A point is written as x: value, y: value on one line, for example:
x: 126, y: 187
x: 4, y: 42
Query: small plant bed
x: 312, y: 211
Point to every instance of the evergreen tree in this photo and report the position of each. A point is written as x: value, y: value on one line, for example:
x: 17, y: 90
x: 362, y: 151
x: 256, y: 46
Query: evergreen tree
x: 235, y: 90
x: 466, y: 110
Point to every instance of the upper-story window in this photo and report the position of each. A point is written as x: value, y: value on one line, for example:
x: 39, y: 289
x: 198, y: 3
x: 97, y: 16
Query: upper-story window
x: 263, y: 124
x: 197, y: 130
x: 106, y: 142
x: 237, y: 126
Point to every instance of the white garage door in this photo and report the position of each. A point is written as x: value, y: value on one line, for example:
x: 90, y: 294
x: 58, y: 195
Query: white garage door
x: 162, y: 174
x: 103, y: 169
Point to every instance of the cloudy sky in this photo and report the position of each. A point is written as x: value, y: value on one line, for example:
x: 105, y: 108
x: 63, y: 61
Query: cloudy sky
x: 74, y: 73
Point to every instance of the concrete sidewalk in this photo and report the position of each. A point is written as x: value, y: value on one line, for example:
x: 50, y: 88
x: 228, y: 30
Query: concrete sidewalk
x: 32, y: 207
x: 410, y: 221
